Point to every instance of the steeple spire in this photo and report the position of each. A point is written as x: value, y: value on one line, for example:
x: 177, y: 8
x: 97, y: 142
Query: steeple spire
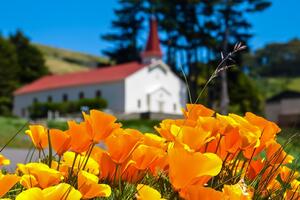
x: 152, y: 50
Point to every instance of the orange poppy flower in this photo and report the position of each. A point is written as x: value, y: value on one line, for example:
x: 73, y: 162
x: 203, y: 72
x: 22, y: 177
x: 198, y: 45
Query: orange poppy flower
x: 122, y: 143
x: 60, y: 141
x: 7, y: 181
x: 89, y: 187
x: 164, y: 128
x: 287, y: 174
x: 80, y: 141
x: 195, y: 138
x: 44, y: 175
x: 249, y: 134
x: 185, y: 167
x: 196, y: 192
x: 194, y: 111
x: 276, y: 154
x: 100, y: 125
x: 146, y: 192
x: 269, y: 129
x: 4, y: 160
x: 144, y: 156
x: 107, y: 166
x: 294, y: 192
x: 38, y: 135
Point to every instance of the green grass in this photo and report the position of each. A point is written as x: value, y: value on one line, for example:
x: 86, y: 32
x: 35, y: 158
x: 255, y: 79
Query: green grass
x: 145, y: 126
x: 10, y: 126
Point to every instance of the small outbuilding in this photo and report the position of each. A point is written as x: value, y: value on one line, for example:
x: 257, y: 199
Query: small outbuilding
x: 284, y: 109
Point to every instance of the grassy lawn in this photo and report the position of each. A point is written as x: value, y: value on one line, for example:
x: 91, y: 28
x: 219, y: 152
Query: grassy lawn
x: 10, y: 126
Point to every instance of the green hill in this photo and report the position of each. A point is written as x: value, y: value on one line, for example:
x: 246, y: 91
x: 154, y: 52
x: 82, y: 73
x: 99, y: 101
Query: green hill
x: 61, y: 61
x: 274, y: 85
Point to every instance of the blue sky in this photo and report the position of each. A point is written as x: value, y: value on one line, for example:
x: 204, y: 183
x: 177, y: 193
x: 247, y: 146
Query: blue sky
x: 77, y: 24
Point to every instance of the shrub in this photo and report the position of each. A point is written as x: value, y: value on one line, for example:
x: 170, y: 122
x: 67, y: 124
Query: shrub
x: 40, y: 110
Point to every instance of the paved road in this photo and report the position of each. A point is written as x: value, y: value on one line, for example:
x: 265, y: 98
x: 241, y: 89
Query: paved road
x: 17, y: 156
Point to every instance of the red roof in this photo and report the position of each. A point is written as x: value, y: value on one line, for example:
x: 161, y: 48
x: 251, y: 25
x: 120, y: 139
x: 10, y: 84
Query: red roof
x: 94, y: 76
x: 153, y: 44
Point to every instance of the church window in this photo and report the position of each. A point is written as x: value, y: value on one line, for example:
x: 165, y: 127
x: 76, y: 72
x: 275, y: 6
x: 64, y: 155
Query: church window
x: 139, y: 103
x: 81, y: 95
x: 98, y: 94
x: 65, y: 97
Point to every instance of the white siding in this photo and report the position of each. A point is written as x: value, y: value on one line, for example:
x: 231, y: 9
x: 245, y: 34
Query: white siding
x: 158, y: 82
x: 112, y: 92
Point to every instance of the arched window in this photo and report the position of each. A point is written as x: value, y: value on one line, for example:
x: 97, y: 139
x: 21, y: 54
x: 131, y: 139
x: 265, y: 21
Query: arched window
x: 49, y: 99
x: 81, y: 95
x: 139, y: 103
x: 174, y: 107
x: 98, y: 94
x: 65, y: 97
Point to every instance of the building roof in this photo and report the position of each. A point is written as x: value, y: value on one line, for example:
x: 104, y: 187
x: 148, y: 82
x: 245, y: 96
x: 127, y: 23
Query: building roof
x: 287, y: 94
x: 153, y: 44
x: 94, y: 76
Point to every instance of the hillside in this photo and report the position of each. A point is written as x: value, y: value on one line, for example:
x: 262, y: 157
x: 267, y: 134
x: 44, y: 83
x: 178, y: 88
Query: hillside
x: 274, y: 85
x: 61, y: 61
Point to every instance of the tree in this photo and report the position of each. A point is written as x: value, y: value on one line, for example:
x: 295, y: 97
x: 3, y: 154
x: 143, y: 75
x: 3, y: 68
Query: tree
x: 127, y: 27
x: 187, y: 26
x: 233, y: 27
x: 30, y: 59
x: 8, y: 75
x: 275, y: 59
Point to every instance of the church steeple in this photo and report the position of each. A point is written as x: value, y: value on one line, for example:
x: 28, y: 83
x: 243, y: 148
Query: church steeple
x: 152, y: 50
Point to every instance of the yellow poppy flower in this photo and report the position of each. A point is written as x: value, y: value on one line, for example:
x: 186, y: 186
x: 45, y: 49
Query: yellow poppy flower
x: 4, y: 160
x: 91, y: 165
x: 7, y: 181
x: 28, y: 181
x: 151, y: 139
x: 31, y: 194
x: 187, y: 167
x: 89, y: 187
x: 60, y: 191
x: 145, y: 192
x: 236, y: 192
x: 38, y: 135
x: 44, y: 175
